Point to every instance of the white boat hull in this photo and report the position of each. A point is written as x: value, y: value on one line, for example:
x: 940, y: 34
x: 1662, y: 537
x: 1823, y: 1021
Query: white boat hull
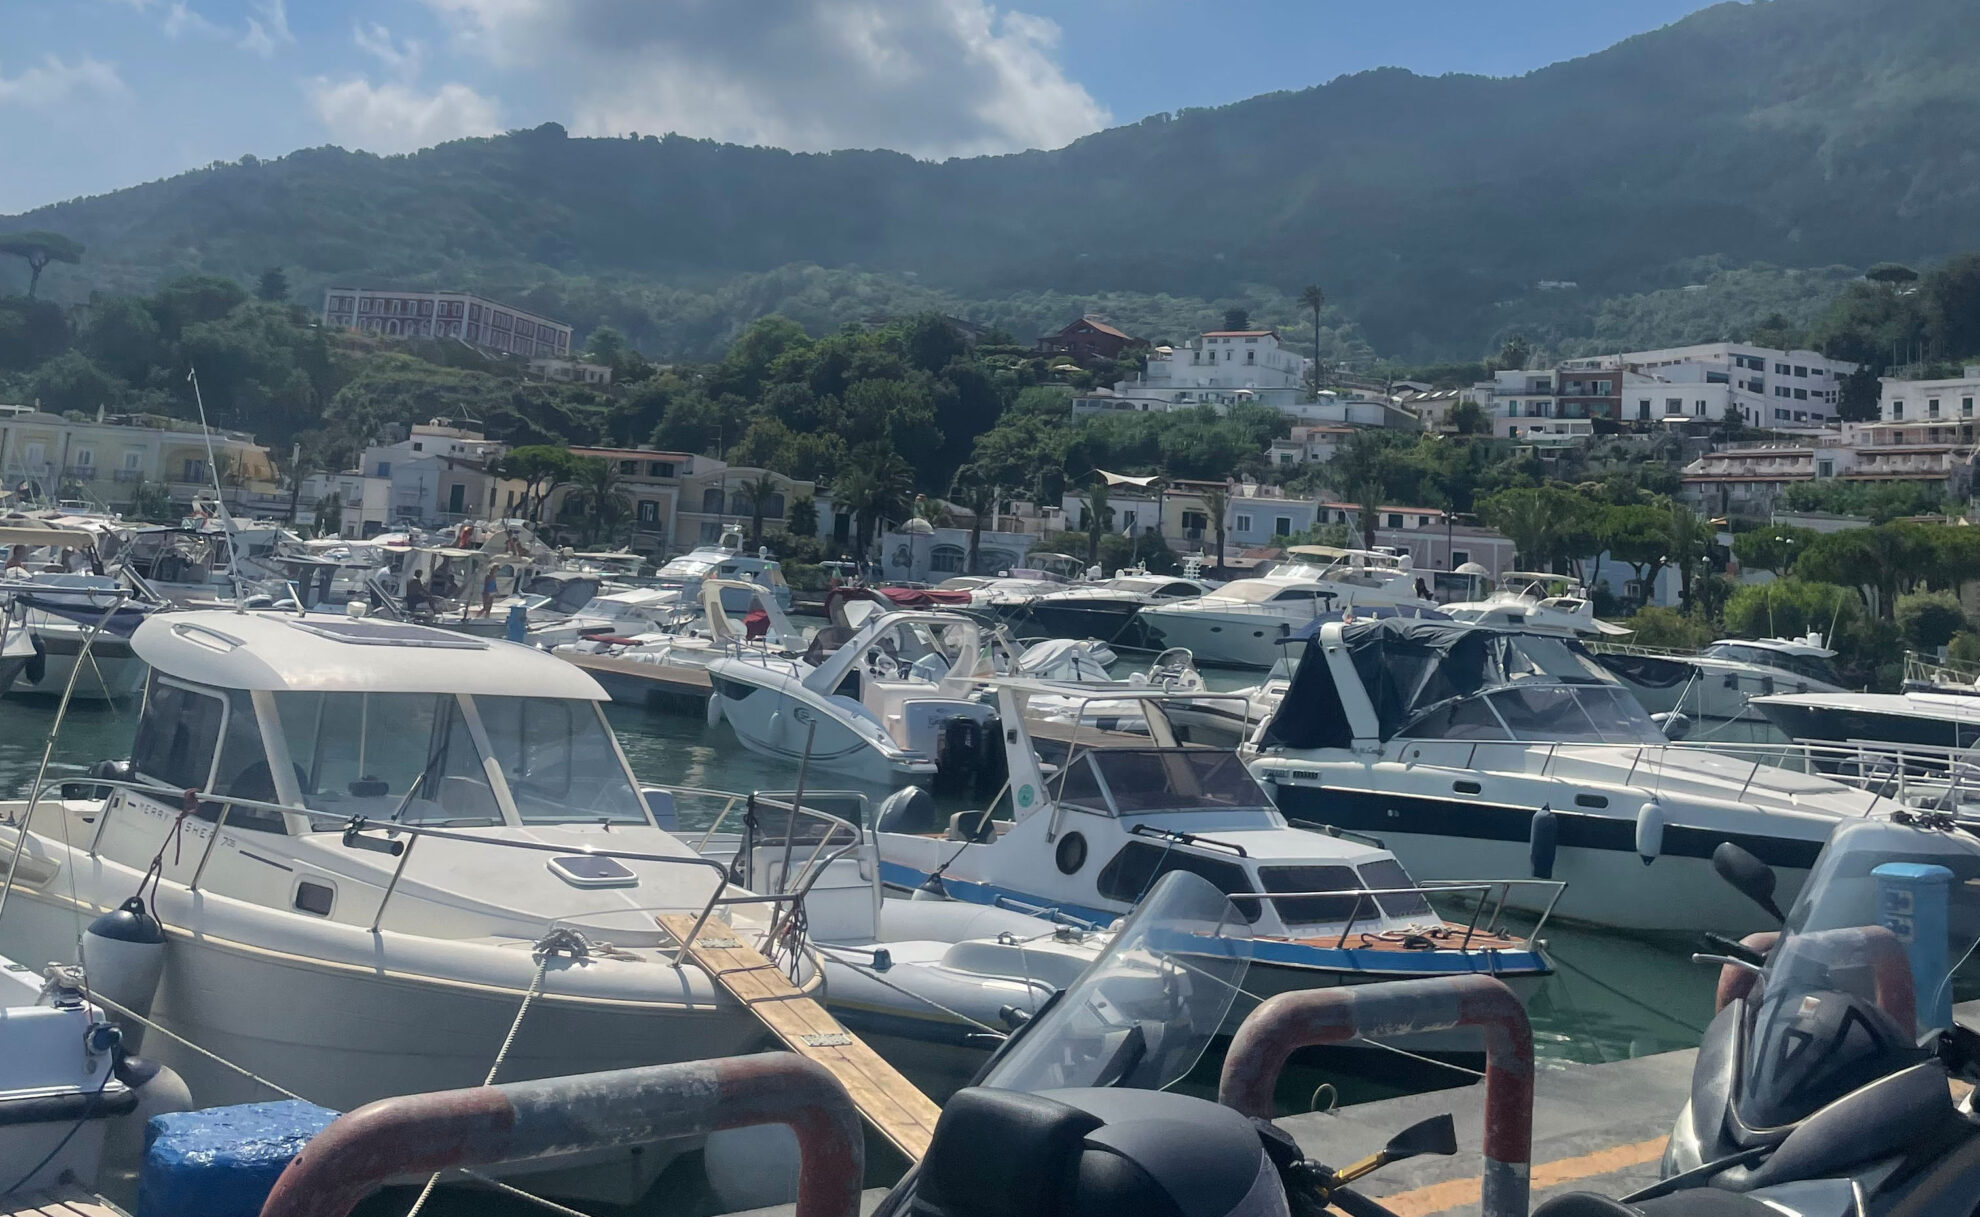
x: 1228, y: 640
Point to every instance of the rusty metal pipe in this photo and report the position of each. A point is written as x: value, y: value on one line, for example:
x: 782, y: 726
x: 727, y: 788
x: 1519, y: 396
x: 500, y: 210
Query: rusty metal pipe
x: 424, y: 1133
x: 1290, y: 1021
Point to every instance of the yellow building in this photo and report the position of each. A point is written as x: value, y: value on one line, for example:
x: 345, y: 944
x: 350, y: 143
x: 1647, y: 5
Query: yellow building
x: 105, y: 460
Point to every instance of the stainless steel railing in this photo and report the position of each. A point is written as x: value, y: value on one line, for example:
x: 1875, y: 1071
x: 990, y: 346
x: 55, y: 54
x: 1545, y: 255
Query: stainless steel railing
x: 1490, y: 893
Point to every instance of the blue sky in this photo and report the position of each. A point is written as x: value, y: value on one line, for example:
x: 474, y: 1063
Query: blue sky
x: 98, y: 94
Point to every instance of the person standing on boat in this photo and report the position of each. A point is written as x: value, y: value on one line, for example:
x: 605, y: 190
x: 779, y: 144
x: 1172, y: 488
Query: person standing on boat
x: 488, y: 592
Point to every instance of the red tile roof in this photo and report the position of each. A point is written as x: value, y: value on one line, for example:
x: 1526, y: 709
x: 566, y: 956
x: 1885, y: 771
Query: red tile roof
x: 1102, y: 326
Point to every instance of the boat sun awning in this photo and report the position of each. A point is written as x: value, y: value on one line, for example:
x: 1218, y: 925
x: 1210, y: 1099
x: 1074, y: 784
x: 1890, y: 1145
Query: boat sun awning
x: 35, y: 535
x: 1408, y: 666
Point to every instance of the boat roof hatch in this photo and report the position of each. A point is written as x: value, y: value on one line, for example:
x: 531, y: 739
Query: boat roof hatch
x: 285, y: 652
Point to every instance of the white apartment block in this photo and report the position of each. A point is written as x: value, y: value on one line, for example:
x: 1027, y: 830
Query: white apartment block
x: 472, y: 319
x: 1764, y: 388
x: 1309, y: 443
x: 439, y: 474
x: 1945, y: 402
x: 1220, y: 368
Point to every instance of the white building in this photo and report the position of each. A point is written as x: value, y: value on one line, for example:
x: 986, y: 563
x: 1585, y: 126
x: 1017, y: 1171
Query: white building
x: 1769, y: 387
x: 576, y: 371
x: 474, y: 319
x: 1308, y: 443
x: 1931, y: 401
x: 1221, y: 368
x: 364, y: 504
x: 439, y: 474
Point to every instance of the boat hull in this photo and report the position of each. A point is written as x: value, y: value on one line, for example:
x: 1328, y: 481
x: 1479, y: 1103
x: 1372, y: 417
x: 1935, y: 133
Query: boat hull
x: 1116, y: 623
x: 111, y: 671
x: 1608, y: 883
x: 341, y: 1034
x: 765, y: 722
x: 1842, y: 725
x: 1225, y: 640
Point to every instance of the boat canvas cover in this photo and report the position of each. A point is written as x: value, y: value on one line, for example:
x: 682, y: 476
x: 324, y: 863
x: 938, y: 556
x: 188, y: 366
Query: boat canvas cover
x: 1408, y: 666
x: 1649, y: 671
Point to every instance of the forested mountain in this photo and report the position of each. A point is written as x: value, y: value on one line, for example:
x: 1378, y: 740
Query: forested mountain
x: 1790, y: 132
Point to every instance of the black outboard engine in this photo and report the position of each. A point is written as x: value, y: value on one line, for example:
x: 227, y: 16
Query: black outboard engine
x: 969, y: 757
x: 1094, y: 1153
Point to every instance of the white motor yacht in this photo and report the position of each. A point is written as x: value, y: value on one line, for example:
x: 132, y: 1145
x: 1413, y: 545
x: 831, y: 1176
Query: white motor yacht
x: 639, y: 668
x: 1242, y: 623
x: 1537, y: 604
x: 1088, y: 837
x: 1937, y: 708
x: 724, y: 560
x: 368, y: 842
x: 1718, y: 684
x: 1474, y: 752
x: 1108, y: 610
x: 875, y: 704
x: 209, y: 563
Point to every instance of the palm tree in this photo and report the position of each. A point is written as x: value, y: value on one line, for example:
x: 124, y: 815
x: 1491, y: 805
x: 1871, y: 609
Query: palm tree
x: 1689, y: 536
x: 877, y: 487
x: 1216, y: 504
x: 1311, y: 297
x: 1370, y: 500
x: 758, y: 492
x: 596, y: 492
x: 977, y: 491
x: 933, y: 510
x: 1523, y: 517
x: 1098, y: 517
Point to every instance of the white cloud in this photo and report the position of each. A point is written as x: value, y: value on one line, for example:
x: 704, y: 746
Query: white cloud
x: 403, y: 59
x: 53, y: 82
x: 394, y: 117
x: 929, y: 77
x: 181, y: 19
x: 268, y: 28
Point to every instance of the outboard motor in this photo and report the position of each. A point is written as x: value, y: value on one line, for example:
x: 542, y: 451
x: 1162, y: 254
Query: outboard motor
x: 123, y: 954
x: 958, y: 754
x: 1095, y: 1152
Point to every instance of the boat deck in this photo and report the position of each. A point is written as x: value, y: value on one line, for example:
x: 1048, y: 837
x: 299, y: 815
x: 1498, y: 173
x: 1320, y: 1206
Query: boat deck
x: 64, y: 1200
x: 890, y: 1103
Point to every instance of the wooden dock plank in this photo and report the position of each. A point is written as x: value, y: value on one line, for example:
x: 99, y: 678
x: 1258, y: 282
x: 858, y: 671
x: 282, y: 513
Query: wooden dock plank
x: 66, y: 1199
x: 892, y: 1104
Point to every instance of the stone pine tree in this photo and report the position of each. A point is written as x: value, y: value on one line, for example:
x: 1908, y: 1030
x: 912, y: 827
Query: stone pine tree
x: 1313, y: 300
x: 39, y: 249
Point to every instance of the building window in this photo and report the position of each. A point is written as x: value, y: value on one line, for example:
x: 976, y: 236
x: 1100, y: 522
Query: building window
x: 948, y: 559
x: 1395, y: 520
x: 659, y: 469
x: 1643, y: 408
x: 629, y: 468
x: 649, y: 513
x: 1243, y: 522
x: 1459, y: 557
x: 1966, y: 407
x: 1825, y: 469
x: 1282, y: 526
x: 193, y: 470
x: 1931, y: 407
x: 1800, y: 371
x: 1780, y: 414
x: 1780, y: 369
x: 711, y: 501
x: 1897, y: 411
x: 1700, y: 410
x: 1674, y: 405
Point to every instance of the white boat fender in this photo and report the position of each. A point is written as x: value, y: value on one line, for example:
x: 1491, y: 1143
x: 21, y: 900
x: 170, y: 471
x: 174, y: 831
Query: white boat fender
x: 714, y: 708
x: 1650, y: 832
x: 123, y: 954
x: 1542, y: 840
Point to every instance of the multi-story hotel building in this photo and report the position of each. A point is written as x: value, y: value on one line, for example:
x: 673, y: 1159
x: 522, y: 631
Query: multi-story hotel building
x: 473, y: 319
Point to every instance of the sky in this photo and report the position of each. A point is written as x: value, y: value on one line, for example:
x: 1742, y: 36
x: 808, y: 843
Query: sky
x: 101, y: 94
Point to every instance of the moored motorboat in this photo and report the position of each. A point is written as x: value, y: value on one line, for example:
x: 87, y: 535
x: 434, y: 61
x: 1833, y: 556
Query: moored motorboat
x: 1475, y: 752
x: 1718, y: 684
x: 368, y: 843
x: 1089, y: 836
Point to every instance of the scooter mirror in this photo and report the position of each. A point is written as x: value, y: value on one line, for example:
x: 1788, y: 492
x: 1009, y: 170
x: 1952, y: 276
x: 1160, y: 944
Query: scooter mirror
x: 1437, y: 1135
x: 1748, y: 875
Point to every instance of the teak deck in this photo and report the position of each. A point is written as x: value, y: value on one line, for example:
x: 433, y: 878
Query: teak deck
x: 892, y: 1104
x: 63, y: 1200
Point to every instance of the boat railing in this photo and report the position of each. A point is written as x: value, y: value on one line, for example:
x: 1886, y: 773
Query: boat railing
x: 1916, y: 774
x: 1488, y: 894
x: 358, y: 833
x: 1955, y: 674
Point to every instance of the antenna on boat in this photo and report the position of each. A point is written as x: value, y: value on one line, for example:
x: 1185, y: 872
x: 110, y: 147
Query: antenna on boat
x: 219, y: 495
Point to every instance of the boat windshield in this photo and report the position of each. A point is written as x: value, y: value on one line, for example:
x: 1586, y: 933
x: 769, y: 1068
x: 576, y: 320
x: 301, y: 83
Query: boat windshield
x: 1144, y: 781
x: 1540, y: 713
x: 414, y: 757
x: 1841, y: 1005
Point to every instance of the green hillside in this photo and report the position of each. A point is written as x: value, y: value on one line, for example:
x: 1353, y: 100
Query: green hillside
x: 1796, y: 133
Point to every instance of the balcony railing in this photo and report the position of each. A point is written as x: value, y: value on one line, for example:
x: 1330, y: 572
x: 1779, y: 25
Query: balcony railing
x: 127, y: 475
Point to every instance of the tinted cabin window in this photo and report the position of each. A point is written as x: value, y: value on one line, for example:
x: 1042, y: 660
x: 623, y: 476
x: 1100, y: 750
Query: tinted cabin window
x: 178, y: 737
x: 1311, y: 910
x: 1388, y: 874
x: 1139, y: 864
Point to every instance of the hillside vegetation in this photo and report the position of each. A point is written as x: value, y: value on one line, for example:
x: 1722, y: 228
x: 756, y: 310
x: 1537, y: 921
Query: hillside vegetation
x: 1791, y: 133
